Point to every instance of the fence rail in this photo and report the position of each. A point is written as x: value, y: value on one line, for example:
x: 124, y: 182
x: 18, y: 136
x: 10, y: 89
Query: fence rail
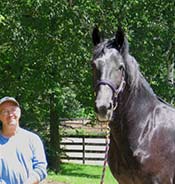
x: 89, y: 148
x: 83, y: 149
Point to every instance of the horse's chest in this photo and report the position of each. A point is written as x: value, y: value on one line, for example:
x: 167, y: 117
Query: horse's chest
x: 123, y: 164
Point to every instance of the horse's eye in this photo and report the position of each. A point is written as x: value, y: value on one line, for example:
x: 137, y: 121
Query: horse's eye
x: 121, y: 67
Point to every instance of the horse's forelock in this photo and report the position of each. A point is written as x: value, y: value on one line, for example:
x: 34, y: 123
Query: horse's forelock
x: 99, y: 50
x: 132, y: 67
x: 110, y: 43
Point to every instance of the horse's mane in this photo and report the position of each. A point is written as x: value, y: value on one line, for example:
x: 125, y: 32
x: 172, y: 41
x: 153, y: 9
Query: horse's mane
x: 134, y: 76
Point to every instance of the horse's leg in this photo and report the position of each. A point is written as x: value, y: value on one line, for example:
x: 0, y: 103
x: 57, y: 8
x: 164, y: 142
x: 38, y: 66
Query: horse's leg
x: 112, y: 158
x: 115, y: 164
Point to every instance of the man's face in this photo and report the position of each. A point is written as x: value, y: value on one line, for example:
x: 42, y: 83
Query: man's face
x: 10, y: 114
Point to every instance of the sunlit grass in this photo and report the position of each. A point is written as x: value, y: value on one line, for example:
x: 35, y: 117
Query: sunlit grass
x: 81, y: 174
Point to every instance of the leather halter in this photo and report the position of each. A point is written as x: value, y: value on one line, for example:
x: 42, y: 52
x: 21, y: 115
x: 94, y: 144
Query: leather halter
x: 115, y: 91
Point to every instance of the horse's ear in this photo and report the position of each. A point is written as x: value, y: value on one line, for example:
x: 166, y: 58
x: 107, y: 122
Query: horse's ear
x: 96, y: 36
x: 119, y: 38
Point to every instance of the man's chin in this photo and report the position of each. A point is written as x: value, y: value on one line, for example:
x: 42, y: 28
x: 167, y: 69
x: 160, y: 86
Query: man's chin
x: 13, y: 123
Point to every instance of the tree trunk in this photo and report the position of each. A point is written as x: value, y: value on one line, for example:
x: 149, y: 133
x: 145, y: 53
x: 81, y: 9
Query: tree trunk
x: 54, y: 156
x: 171, y: 64
x: 171, y: 72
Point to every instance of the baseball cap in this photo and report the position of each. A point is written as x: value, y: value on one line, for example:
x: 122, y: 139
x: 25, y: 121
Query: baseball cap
x: 8, y: 99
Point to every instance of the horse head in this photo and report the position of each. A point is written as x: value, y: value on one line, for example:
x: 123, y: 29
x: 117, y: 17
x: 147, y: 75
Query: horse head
x: 109, y: 72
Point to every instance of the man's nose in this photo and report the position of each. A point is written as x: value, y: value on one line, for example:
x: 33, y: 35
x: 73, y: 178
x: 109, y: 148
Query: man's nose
x: 10, y: 113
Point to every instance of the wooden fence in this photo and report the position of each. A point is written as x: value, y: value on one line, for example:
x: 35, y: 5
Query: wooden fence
x: 82, y: 148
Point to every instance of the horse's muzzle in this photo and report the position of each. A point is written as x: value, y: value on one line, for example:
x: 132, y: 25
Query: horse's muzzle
x: 103, y: 111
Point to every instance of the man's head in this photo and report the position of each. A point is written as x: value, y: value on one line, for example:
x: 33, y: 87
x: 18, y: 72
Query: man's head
x: 10, y: 113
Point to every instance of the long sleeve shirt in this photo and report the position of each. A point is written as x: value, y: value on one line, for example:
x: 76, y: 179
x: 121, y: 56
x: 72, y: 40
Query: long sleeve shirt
x: 21, y: 156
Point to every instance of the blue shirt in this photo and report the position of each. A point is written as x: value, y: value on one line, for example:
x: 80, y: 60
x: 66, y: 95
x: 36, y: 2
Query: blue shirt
x: 21, y: 156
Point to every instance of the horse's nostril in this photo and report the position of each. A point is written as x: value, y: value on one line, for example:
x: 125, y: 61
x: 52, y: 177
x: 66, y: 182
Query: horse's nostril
x: 102, y: 109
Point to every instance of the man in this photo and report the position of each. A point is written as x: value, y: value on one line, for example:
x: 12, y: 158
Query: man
x: 22, y: 157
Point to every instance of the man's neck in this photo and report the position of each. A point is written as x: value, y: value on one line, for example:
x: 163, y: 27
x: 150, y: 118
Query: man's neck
x: 9, y: 132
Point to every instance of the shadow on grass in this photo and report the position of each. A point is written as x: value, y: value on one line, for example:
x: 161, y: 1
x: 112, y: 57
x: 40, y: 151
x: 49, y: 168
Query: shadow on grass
x: 80, y: 171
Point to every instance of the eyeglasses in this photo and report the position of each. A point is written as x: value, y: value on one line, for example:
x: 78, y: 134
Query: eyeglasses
x: 8, y: 112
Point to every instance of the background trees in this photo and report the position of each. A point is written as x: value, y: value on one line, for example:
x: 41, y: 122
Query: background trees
x: 45, y: 54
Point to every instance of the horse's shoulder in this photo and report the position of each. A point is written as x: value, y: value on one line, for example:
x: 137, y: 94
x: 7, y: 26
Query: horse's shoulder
x: 164, y: 111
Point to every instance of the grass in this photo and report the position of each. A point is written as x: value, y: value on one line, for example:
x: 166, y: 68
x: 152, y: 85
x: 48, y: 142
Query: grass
x: 81, y: 174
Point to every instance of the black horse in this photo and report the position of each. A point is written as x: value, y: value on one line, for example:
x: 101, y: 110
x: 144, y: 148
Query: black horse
x: 142, y: 137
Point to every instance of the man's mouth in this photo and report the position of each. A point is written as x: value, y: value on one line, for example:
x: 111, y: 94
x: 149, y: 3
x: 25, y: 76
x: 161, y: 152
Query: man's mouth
x: 13, y: 122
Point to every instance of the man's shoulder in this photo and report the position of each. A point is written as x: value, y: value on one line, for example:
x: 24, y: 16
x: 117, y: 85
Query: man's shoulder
x: 28, y: 134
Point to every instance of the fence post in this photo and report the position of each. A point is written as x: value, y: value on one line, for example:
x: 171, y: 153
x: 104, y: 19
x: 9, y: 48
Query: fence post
x: 83, y: 144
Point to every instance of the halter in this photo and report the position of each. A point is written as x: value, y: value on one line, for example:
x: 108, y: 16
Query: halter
x: 115, y: 91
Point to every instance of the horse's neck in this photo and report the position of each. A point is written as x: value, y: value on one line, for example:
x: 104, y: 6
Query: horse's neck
x: 134, y: 105
x: 135, y: 101
x: 141, y: 96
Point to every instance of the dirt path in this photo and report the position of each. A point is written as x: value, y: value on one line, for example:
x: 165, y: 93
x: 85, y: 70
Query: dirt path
x: 52, y: 182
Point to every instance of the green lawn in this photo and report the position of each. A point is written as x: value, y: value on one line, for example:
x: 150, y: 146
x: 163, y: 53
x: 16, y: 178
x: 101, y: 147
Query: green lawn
x: 81, y: 174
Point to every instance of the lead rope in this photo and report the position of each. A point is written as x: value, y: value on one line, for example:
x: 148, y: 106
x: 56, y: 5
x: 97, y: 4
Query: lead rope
x: 106, y: 153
